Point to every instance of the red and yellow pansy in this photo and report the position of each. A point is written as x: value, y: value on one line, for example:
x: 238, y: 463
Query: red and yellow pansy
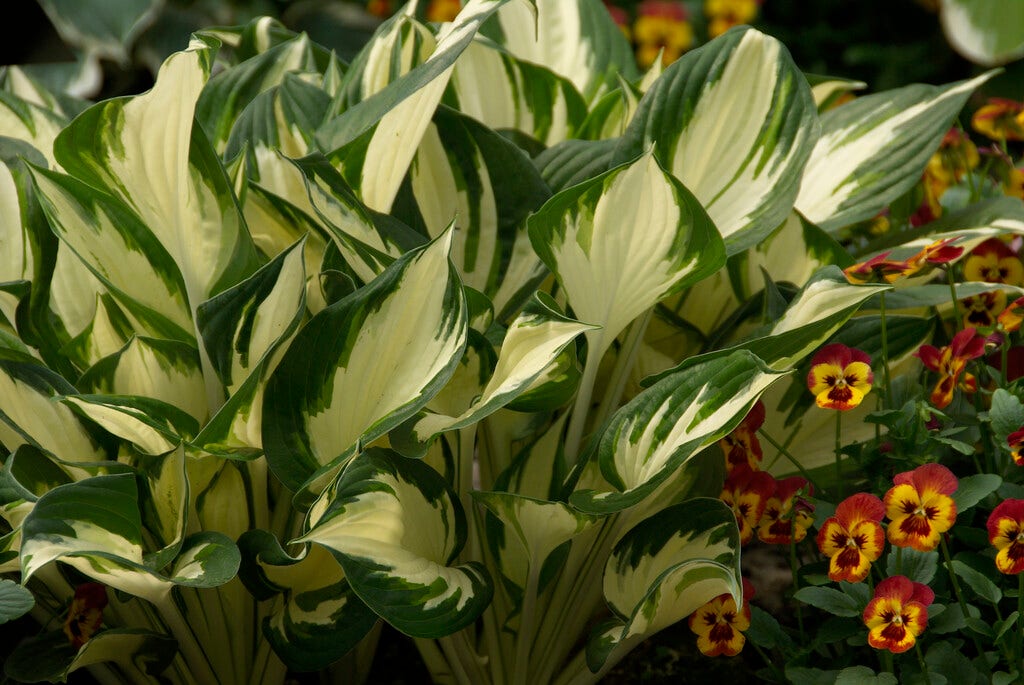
x: 741, y: 446
x: 840, y: 377
x: 919, y: 506
x: 722, y: 15
x: 661, y: 26
x: 853, y: 539
x: 719, y: 625
x: 85, y: 616
x: 897, y: 613
x: 950, y: 362
x: 787, y: 515
x: 1000, y: 119
x: 993, y: 261
x: 747, y: 492
x: 1006, y: 533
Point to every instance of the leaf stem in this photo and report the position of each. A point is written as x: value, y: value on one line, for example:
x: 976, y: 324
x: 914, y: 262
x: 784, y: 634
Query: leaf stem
x: 886, y: 379
x: 785, y: 452
x: 839, y: 455
x: 921, y: 662
x: 1019, y: 647
x: 956, y: 590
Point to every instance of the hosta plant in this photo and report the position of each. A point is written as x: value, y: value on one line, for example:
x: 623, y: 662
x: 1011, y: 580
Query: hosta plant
x: 444, y: 338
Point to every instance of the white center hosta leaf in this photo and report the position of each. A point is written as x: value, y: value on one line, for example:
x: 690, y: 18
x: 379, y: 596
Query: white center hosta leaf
x: 363, y: 365
x: 533, y: 342
x: 657, y: 431
x: 987, y: 32
x: 734, y: 121
x: 34, y: 124
x: 875, y: 148
x: 623, y: 241
x: 133, y: 424
x: 663, y: 570
x: 395, y: 526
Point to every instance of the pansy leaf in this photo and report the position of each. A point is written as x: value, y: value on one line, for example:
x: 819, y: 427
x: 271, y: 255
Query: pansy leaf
x: 650, y: 437
x: 872, y: 150
x: 403, y: 335
x: 735, y: 122
x: 622, y: 241
x: 395, y: 525
x: 973, y: 489
x: 920, y: 567
x: 318, y: 618
x: 664, y: 569
x: 15, y: 600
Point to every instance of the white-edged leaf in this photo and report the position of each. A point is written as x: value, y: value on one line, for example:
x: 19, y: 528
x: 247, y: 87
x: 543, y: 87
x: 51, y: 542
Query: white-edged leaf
x: 396, y: 526
x: 872, y: 150
x: 665, y: 568
x: 733, y: 120
x: 622, y: 241
x: 365, y: 364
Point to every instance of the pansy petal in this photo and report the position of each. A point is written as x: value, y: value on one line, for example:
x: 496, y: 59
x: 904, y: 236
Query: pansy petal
x: 861, y: 506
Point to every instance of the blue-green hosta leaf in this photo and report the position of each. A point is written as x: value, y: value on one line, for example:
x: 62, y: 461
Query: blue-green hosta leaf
x: 50, y: 657
x: 574, y: 38
x: 375, y: 140
x: 649, y: 438
x: 95, y: 526
x: 623, y: 241
x: 395, y: 525
x: 532, y: 343
x: 467, y: 173
x: 872, y: 150
x: 120, y: 251
x: 228, y: 93
x: 146, y: 151
x: 244, y: 329
x: 532, y: 530
x: 319, y: 618
x: 31, y: 413
x: 104, y: 29
x: 987, y: 32
x: 154, y: 427
x: 15, y: 601
x: 503, y: 92
x: 734, y: 121
x: 35, y: 125
x: 365, y: 364
x: 792, y: 253
x: 166, y: 370
x: 663, y: 570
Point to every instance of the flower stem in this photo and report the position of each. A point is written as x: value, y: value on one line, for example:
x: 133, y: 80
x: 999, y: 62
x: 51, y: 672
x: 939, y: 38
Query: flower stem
x: 1019, y: 647
x: 921, y: 662
x: 796, y: 581
x: 784, y: 452
x: 956, y: 590
x: 885, y: 353
x: 952, y: 293
x: 839, y: 455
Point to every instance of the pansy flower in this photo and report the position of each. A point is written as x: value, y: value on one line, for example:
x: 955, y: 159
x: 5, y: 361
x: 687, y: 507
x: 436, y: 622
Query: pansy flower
x: 993, y: 261
x: 719, y: 625
x: 1006, y: 533
x: 621, y: 19
x: 935, y: 252
x: 982, y: 310
x: 86, y: 613
x: 878, y: 269
x: 443, y: 10
x: 741, y: 446
x: 840, y: 377
x: 897, y: 613
x: 724, y: 14
x: 1015, y: 441
x: 1013, y: 316
x: 853, y: 538
x: 787, y: 516
x: 919, y: 506
x: 661, y: 26
x: 1000, y: 119
x: 747, y: 492
x: 951, y: 363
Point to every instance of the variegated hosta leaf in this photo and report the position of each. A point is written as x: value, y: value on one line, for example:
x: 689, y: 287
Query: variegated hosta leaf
x: 734, y: 121
x: 107, y: 333
x: 365, y: 364
x: 987, y: 32
x: 146, y: 151
x: 34, y: 124
x: 503, y: 92
x: 27, y: 473
x: 609, y: 116
x: 574, y: 38
x: 228, y: 93
x: 828, y: 89
x: 399, y: 44
x: 244, y: 330
x: 575, y: 161
x: 154, y: 427
x: 532, y: 343
x: 467, y: 173
x: 872, y: 150
x: 120, y: 251
x: 320, y: 618
x: 375, y: 140
x: 165, y: 370
x: 657, y: 431
x: 539, y: 470
x: 395, y: 525
x: 74, y: 292
x: 792, y: 253
x: 31, y: 413
x: 530, y: 530
x: 663, y: 570
x: 621, y: 242
x: 283, y: 118
x: 50, y: 657
x: 95, y: 526
x: 31, y: 83
x: 100, y: 28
